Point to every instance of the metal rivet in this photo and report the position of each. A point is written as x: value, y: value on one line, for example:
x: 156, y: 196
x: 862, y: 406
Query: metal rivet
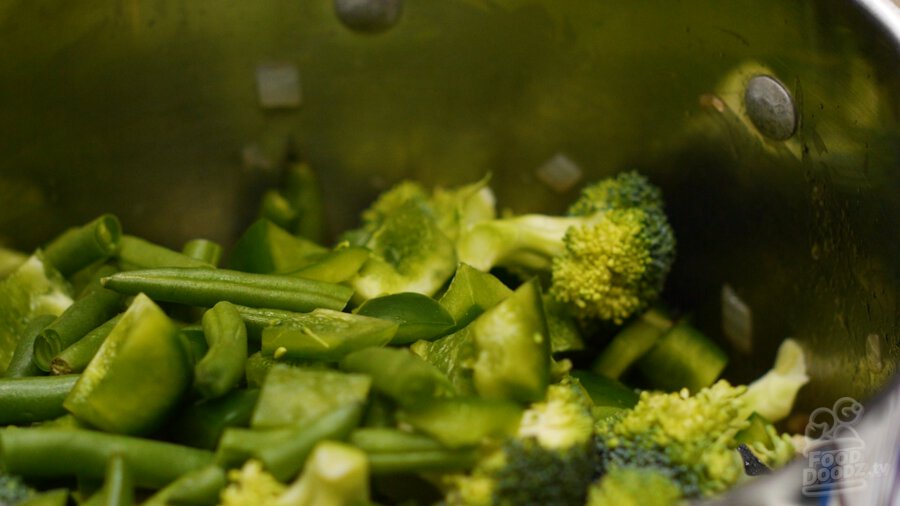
x: 770, y: 107
x: 368, y: 15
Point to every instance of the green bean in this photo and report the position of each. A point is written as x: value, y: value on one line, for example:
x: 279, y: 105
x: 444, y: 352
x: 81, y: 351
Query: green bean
x: 33, y: 399
x: 22, y: 362
x: 422, y: 461
x: 284, y: 451
x: 203, y: 250
x: 136, y: 253
x: 81, y: 246
x: 301, y: 190
x: 222, y: 368
x: 198, y: 487
x: 118, y: 489
x: 92, y: 309
x: 393, y: 451
x: 79, y: 354
x: 57, y: 453
x: 388, y: 440
x: 206, y: 287
x: 193, y: 341
x: 202, y: 424
x: 275, y: 208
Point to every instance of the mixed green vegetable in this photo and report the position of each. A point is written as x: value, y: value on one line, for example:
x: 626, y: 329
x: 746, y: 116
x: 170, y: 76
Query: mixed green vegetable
x: 437, y: 354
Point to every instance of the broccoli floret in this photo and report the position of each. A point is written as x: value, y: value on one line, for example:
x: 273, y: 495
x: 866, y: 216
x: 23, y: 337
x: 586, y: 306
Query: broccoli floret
x: 607, y: 259
x: 773, y: 394
x: 634, y: 486
x: 562, y: 420
x: 626, y: 190
x: 410, y: 253
x: 13, y: 490
x: 335, y: 475
x: 251, y: 486
x: 411, y: 233
x: 689, y: 439
x: 458, y: 209
x: 550, y: 461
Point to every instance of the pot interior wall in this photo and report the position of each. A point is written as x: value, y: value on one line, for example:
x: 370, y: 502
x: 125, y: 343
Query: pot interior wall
x: 150, y: 109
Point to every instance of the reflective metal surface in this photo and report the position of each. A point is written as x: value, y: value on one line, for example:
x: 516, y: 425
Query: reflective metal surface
x: 154, y: 110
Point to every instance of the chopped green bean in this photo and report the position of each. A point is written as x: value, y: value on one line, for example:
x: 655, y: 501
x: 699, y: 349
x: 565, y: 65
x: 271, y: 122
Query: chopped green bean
x: 79, y: 354
x: 136, y: 253
x: 200, y: 487
x: 206, y: 287
x: 301, y: 190
x: 81, y: 246
x: 33, y: 399
x: 118, y: 489
x: 394, y: 451
x: 92, y: 309
x: 284, y: 451
x: 220, y: 370
x: 203, y: 250
x: 58, y: 453
x: 22, y: 363
x: 422, y: 461
x: 275, y: 208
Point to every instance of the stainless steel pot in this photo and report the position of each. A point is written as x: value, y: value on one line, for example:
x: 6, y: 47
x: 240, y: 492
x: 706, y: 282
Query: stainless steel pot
x: 783, y: 190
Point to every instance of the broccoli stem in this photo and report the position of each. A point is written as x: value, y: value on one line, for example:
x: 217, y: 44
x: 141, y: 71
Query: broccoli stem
x: 79, y: 354
x: 33, y: 399
x: 198, y: 487
x: 81, y: 246
x: 284, y: 451
x: 202, y: 424
x: 222, y: 367
x: 204, y: 250
x: 95, y: 307
x: 206, y: 287
x: 58, y: 453
x: 22, y: 362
